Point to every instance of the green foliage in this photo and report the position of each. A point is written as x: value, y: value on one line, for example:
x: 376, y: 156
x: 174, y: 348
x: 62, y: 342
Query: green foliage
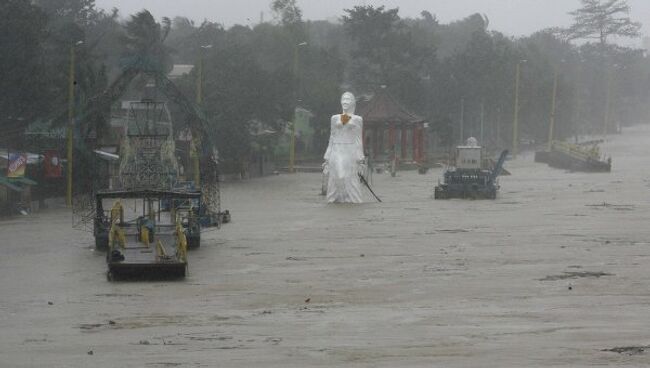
x: 601, y: 19
x: 22, y: 33
x: 81, y: 12
x: 386, y: 53
x: 254, y: 76
x: 287, y: 11
x: 246, y: 89
x: 144, y: 44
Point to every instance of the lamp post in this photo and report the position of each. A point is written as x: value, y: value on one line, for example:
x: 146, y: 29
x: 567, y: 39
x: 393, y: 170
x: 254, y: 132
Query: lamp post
x: 551, y: 125
x: 462, y: 119
x: 292, y: 143
x: 199, y: 79
x: 608, y: 99
x: 515, y: 123
x: 482, y: 121
x: 70, y: 130
x: 194, y: 154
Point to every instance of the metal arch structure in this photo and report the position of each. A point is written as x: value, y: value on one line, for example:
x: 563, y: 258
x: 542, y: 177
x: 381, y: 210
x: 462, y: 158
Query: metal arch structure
x: 95, y: 114
x: 210, y: 181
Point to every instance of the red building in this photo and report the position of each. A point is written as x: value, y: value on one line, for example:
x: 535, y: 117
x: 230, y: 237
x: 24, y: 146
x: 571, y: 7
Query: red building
x: 390, y: 127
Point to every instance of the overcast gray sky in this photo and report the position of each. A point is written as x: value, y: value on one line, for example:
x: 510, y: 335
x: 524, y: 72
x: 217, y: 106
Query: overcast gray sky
x: 513, y: 17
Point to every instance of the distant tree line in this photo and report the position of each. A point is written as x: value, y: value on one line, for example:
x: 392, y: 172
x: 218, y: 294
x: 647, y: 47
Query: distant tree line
x: 253, y: 76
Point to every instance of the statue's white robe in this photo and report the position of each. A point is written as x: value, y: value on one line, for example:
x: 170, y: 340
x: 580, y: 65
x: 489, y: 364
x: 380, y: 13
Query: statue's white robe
x: 343, y: 155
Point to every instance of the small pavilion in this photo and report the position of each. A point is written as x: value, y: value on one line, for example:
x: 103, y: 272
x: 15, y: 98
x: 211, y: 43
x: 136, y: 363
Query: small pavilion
x: 389, y: 127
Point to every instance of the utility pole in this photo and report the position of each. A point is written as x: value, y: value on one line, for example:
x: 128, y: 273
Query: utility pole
x: 497, y: 127
x: 608, y: 103
x: 553, y: 110
x: 70, y: 130
x: 482, y: 119
x: 462, y: 119
x: 515, y: 123
x: 297, y: 94
x: 194, y: 144
x: 199, y: 79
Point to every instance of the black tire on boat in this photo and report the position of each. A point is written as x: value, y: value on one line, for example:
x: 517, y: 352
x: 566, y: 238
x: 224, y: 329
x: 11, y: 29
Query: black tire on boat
x: 193, y: 242
x: 101, y: 242
x: 438, y: 193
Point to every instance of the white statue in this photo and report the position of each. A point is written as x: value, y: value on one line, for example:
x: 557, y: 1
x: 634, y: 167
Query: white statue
x: 344, y: 158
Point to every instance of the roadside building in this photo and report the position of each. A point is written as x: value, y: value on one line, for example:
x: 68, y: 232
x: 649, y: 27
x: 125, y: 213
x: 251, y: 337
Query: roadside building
x: 391, y: 129
x: 15, y: 186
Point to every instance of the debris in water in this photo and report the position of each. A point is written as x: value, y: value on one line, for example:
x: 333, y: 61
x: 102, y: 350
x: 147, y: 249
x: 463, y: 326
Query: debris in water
x: 629, y: 350
x: 291, y: 258
x: 575, y: 275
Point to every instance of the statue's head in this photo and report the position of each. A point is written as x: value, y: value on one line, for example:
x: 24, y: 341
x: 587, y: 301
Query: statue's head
x: 348, y: 103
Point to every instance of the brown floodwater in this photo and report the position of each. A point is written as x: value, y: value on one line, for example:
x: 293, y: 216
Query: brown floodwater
x: 554, y: 272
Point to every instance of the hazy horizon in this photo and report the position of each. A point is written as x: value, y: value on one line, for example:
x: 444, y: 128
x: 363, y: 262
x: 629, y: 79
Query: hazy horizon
x: 511, y: 17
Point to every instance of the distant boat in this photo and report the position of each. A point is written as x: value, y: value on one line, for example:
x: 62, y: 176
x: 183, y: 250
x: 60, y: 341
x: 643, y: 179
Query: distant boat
x: 575, y: 157
x: 467, y: 178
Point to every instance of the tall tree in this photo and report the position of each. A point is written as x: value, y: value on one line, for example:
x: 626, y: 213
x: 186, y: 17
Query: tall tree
x: 144, y: 40
x: 286, y: 11
x: 22, y: 32
x: 144, y: 53
x: 602, y: 19
x: 386, y: 53
x: 80, y: 12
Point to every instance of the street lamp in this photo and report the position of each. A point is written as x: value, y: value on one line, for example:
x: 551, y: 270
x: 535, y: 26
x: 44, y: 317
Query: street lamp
x: 515, y: 123
x: 199, y: 79
x: 551, y: 125
x: 70, y: 132
x: 608, y: 101
x: 456, y: 85
x: 297, y: 94
x: 462, y: 119
x: 553, y: 109
x: 194, y: 154
x: 482, y: 121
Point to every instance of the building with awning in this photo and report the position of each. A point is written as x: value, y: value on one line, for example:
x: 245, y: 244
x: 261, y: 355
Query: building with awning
x: 14, y: 192
x: 390, y: 127
x: 16, y: 184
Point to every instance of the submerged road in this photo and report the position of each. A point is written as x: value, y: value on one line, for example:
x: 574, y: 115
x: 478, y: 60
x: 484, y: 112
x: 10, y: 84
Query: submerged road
x: 552, y: 273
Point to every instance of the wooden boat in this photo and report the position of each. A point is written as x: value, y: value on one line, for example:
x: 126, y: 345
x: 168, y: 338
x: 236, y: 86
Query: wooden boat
x: 575, y: 157
x: 142, y: 241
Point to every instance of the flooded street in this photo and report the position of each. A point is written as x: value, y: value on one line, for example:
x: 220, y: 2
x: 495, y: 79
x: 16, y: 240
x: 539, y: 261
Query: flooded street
x: 552, y: 273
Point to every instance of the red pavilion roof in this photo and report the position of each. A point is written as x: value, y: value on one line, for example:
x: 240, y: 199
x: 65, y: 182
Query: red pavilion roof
x: 383, y: 108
